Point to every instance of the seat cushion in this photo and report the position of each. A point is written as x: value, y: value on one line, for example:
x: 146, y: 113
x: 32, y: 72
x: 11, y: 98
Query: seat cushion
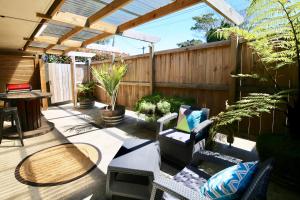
x: 229, y: 183
x: 176, y: 135
x: 189, y: 178
x: 188, y: 119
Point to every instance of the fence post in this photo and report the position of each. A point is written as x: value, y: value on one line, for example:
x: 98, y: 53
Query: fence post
x: 234, y: 54
x: 73, y: 81
x: 41, y: 64
x: 152, y: 67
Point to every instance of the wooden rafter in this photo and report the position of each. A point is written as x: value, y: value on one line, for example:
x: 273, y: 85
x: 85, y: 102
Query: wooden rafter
x: 43, y: 50
x: 108, y: 9
x: 51, y: 11
x: 225, y: 10
x: 79, y: 21
x: 54, y: 41
x: 160, y: 12
x: 91, y: 22
x: 155, y: 14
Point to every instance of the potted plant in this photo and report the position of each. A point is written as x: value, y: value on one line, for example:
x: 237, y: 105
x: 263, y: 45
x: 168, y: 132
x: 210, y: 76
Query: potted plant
x: 85, y: 95
x: 109, y: 77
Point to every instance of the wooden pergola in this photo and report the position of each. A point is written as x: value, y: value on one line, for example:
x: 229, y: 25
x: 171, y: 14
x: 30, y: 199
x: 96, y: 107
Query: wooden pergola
x: 73, y: 30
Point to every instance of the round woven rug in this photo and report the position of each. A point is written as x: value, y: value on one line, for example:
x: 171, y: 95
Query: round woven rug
x: 58, y: 164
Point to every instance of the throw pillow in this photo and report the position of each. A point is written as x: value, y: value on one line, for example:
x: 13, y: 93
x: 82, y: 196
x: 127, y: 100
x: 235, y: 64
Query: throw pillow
x: 229, y: 183
x: 188, y: 119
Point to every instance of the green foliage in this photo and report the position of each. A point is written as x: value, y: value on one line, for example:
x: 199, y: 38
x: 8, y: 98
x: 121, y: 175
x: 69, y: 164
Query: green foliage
x: 211, y: 35
x: 209, y: 24
x: 81, y: 59
x: 85, y: 91
x: 163, y: 106
x: 274, y: 33
x: 109, y: 77
x: 50, y: 58
x: 189, y: 43
x: 156, y: 105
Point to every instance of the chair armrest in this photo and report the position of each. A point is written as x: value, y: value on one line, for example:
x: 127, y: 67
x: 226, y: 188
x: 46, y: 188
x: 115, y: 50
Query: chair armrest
x: 176, y: 189
x: 201, y: 129
x: 214, y: 157
x: 201, y: 126
x: 165, y: 119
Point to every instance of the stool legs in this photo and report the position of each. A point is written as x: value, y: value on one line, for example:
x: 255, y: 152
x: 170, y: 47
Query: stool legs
x: 1, y: 126
x: 18, y: 124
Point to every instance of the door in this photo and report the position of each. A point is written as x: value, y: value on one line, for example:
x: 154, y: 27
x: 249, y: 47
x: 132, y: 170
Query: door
x: 60, y: 82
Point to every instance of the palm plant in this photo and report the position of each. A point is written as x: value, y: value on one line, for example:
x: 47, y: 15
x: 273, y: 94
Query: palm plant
x: 273, y: 33
x: 109, y: 77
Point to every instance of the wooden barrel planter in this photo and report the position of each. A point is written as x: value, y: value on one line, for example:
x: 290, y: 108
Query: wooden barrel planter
x: 87, y: 103
x: 112, y: 118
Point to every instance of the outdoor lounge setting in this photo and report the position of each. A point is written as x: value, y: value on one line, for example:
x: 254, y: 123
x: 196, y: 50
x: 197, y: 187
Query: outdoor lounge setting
x: 150, y: 99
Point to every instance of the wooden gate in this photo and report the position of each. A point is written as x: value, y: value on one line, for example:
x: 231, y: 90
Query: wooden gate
x: 60, y: 82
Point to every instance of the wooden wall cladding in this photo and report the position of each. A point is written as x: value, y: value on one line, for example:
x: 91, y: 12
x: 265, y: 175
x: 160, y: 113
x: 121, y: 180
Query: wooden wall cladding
x: 18, y: 69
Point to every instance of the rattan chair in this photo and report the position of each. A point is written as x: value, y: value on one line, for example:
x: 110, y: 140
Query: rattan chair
x: 186, y: 184
x: 177, y: 146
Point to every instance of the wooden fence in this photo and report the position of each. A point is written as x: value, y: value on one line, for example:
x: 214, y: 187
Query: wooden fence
x: 202, y: 72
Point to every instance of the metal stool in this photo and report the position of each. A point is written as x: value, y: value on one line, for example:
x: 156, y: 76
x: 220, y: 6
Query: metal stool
x: 13, y: 113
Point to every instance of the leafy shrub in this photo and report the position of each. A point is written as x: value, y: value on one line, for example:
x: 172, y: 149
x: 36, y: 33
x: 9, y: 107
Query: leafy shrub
x: 85, y: 91
x: 157, y: 105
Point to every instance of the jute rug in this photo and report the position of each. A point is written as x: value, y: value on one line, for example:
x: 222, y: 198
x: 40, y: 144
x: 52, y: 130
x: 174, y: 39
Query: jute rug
x: 58, y: 164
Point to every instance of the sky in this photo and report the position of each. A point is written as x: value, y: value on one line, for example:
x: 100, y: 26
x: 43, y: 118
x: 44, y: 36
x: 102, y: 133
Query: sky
x: 172, y: 29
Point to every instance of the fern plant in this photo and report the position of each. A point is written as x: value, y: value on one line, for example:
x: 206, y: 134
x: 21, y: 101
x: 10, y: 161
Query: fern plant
x: 273, y: 33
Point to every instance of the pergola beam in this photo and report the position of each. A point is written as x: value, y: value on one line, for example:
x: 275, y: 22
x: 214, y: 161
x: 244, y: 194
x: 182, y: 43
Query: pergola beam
x: 57, y: 4
x: 225, y: 10
x: 155, y: 14
x: 79, y: 21
x: 107, y: 10
x: 158, y: 13
x: 54, y: 41
x: 43, y: 50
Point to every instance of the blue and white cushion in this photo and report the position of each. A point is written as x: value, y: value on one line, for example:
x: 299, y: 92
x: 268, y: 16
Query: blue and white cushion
x: 229, y: 183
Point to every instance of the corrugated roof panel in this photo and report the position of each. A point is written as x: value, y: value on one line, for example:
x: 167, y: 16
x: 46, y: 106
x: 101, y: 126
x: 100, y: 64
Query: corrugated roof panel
x: 56, y: 30
x: 139, y: 7
x: 84, y: 35
x: 82, y: 7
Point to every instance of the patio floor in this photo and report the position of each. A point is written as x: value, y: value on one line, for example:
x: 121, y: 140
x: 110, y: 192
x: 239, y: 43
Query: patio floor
x: 80, y: 126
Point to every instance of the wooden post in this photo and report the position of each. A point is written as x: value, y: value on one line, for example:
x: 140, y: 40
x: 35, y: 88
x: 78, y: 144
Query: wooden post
x: 43, y: 81
x: 234, y: 55
x: 152, y: 67
x: 73, y: 81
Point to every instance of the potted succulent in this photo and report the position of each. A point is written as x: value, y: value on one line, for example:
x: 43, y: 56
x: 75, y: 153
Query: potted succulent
x: 85, y: 95
x: 109, y: 77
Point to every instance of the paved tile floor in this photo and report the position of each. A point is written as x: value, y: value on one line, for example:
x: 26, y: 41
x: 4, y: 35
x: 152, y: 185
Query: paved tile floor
x: 75, y: 125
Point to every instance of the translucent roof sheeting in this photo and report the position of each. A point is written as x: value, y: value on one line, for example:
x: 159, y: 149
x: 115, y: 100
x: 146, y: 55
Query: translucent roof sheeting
x: 87, y: 8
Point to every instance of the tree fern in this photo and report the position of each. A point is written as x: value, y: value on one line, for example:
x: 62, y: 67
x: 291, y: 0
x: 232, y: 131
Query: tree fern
x: 274, y: 35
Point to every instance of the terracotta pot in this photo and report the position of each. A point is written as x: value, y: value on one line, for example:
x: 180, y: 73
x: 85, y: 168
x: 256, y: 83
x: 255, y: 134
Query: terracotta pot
x: 87, y: 103
x: 112, y: 118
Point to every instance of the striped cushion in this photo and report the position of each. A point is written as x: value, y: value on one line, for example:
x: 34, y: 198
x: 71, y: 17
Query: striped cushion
x: 229, y: 183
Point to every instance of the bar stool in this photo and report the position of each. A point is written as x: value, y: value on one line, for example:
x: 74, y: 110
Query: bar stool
x: 13, y: 113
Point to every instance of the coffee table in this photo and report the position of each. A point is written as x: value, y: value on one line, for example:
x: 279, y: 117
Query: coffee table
x: 132, y: 171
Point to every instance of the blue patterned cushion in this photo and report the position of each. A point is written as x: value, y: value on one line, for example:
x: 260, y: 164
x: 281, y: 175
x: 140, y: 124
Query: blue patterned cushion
x: 229, y: 183
x: 188, y: 119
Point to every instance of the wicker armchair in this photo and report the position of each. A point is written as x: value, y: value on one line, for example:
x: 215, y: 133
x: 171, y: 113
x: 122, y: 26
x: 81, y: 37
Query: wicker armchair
x: 185, y: 185
x: 177, y: 146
